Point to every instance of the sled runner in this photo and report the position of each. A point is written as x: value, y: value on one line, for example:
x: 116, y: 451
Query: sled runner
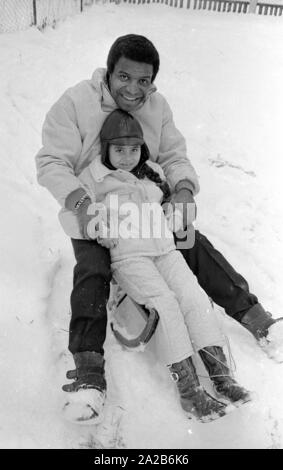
x: 123, y: 303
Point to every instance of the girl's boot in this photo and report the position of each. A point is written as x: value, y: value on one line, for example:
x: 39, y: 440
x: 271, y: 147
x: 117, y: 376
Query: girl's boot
x: 194, y: 399
x: 215, y: 362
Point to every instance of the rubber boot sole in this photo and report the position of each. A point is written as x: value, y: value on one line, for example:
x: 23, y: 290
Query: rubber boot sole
x: 238, y: 403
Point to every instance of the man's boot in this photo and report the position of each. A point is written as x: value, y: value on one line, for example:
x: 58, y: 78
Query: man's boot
x: 267, y: 330
x: 215, y: 362
x: 257, y: 321
x: 86, y: 395
x: 194, y: 399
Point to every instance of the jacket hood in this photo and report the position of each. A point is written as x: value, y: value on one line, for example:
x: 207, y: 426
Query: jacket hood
x: 98, y: 82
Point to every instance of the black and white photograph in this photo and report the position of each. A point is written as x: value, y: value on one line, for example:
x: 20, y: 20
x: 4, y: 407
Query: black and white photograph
x: 141, y: 245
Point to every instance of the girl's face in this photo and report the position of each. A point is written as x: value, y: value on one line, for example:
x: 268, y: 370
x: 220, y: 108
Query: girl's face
x: 124, y: 157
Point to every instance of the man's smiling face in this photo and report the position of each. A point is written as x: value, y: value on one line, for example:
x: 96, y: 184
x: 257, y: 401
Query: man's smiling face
x: 130, y: 82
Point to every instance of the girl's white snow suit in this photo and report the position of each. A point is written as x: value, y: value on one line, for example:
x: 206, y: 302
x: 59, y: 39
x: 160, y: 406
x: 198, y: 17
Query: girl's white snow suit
x: 150, y: 269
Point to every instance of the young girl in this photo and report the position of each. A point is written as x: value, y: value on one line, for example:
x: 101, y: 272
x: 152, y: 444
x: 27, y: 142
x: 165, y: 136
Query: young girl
x: 147, y: 266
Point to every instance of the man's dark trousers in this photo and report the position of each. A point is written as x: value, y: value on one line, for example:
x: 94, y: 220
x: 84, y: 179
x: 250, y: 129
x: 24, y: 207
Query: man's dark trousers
x: 92, y: 275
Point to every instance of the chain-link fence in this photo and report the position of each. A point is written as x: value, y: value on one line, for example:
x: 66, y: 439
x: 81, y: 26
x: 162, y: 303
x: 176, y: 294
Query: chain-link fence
x: 48, y: 12
x: 16, y: 15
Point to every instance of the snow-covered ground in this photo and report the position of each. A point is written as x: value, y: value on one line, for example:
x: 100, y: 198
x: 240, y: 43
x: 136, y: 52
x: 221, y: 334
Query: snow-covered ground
x: 222, y: 75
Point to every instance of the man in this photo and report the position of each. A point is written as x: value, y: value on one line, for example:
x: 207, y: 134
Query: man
x: 70, y: 143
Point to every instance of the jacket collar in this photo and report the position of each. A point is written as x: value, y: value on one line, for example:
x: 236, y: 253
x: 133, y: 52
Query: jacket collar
x: 98, y: 170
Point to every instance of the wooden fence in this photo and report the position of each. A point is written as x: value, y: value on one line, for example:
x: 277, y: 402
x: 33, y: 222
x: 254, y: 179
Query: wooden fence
x: 232, y: 6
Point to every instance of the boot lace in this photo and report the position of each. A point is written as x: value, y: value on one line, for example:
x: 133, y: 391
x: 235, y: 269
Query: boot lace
x: 231, y: 364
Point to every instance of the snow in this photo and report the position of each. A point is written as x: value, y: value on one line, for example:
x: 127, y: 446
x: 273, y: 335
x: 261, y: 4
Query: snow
x: 87, y: 404
x: 273, y: 343
x: 222, y: 75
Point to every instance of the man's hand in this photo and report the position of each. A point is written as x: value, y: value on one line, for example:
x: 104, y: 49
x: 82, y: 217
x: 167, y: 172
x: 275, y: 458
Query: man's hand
x: 183, y: 201
x: 174, y: 220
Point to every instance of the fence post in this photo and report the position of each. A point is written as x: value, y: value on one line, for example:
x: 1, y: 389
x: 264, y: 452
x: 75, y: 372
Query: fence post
x: 82, y: 5
x: 252, y: 7
x: 34, y: 12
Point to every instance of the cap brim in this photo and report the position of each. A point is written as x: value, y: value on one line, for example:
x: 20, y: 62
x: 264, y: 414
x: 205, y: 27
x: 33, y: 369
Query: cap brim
x: 127, y: 141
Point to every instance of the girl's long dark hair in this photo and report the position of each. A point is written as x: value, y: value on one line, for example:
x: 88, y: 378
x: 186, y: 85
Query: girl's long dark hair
x: 145, y: 171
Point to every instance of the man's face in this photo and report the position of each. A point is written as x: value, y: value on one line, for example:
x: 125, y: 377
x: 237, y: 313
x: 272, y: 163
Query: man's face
x: 130, y: 82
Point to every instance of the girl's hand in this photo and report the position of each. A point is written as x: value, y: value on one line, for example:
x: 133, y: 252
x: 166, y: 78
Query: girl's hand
x: 107, y: 242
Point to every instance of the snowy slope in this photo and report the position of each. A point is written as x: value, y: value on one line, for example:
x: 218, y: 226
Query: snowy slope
x: 222, y: 75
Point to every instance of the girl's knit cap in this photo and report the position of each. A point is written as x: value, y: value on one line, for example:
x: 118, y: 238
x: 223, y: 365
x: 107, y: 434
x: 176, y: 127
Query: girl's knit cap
x: 121, y: 128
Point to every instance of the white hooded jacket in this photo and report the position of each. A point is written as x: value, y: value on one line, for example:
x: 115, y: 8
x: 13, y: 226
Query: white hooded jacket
x: 71, y: 136
x: 133, y: 205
